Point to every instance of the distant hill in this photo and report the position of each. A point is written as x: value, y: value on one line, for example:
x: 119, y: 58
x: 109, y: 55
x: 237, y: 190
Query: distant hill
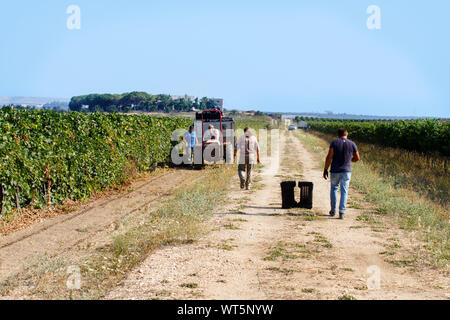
x: 344, y: 116
x: 30, y: 101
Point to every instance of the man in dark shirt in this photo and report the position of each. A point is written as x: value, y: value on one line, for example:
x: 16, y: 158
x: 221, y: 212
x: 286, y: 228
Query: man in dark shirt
x: 341, y: 155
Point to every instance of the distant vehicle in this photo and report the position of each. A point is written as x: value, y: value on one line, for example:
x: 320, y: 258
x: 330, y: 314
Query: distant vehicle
x: 292, y: 127
x: 302, y: 125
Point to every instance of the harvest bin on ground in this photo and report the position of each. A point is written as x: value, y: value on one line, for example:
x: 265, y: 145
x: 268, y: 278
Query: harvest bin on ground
x: 288, y: 195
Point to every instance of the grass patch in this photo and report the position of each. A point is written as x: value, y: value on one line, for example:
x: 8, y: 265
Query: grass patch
x: 400, y: 263
x: 189, y: 285
x: 163, y: 294
x: 283, y: 271
x: 323, y: 241
x: 357, y: 227
x: 227, y: 245
x: 347, y: 297
x: 309, y: 290
x: 230, y: 226
x: 369, y: 218
x: 362, y: 288
x: 239, y: 220
x: 309, y: 217
x: 355, y: 205
x: 279, y: 251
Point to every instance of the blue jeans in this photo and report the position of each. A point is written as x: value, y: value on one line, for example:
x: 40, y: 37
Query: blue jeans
x: 342, y: 179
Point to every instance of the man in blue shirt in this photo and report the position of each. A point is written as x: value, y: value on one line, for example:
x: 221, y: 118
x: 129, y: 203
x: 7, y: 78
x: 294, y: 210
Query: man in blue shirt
x: 340, y: 156
x: 190, y: 140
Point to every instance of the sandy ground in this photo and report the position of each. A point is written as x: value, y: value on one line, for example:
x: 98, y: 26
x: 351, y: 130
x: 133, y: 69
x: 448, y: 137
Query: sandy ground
x: 89, y: 226
x: 257, y: 251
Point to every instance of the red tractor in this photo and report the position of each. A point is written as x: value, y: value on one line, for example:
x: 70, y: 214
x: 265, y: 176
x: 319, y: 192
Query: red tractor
x: 217, y: 144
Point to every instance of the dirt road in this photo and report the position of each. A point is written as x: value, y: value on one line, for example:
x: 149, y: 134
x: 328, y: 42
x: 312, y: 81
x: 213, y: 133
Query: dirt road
x: 258, y: 251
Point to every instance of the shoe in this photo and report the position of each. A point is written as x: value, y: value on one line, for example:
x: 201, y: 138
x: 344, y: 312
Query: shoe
x: 242, y: 186
x: 332, y: 214
x: 247, y: 188
x: 341, y: 216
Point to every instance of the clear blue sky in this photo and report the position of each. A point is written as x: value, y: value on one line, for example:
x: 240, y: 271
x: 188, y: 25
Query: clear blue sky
x: 280, y: 55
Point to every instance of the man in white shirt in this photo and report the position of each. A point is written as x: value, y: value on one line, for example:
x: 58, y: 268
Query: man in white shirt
x: 212, y: 135
x: 248, y: 148
x: 211, y: 138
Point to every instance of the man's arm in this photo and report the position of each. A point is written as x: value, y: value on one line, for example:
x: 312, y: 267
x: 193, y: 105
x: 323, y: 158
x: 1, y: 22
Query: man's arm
x: 328, y: 162
x: 258, y: 158
x: 236, y: 147
x: 356, y: 157
x: 329, y: 159
x: 206, y: 136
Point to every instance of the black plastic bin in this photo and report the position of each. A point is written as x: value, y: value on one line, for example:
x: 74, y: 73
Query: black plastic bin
x: 306, y: 195
x: 288, y: 194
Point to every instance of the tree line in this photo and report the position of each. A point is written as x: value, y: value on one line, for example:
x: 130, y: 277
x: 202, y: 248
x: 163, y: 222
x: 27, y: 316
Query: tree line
x: 137, y: 101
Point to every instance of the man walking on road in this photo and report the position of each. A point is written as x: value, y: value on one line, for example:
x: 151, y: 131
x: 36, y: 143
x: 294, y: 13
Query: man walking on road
x: 341, y: 155
x: 248, y: 147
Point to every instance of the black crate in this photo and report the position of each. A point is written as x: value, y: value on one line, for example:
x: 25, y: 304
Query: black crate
x: 306, y: 195
x: 288, y: 194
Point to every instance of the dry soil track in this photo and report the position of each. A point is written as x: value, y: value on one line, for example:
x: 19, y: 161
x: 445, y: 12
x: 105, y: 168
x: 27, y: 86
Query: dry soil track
x: 258, y: 251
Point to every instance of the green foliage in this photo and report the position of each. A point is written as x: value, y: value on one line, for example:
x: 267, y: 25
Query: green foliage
x: 76, y: 154
x: 137, y: 101
x: 427, y: 136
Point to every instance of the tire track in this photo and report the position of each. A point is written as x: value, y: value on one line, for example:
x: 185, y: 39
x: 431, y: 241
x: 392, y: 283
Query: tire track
x: 102, y: 204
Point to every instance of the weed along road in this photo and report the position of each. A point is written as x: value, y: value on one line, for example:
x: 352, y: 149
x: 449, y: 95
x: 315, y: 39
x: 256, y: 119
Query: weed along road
x: 254, y: 250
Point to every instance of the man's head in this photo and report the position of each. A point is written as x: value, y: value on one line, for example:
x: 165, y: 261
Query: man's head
x: 342, y: 133
x: 247, y: 131
x: 191, y: 129
x: 211, y: 127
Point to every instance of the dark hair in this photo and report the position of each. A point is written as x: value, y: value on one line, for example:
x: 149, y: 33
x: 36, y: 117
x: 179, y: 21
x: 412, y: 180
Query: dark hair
x: 342, y: 132
x: 246, y: 129
x: 191, y: 128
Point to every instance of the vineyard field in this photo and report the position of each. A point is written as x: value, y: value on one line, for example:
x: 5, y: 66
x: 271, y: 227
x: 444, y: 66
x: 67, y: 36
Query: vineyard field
x: 424, y: 136
x: 48, y: 157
